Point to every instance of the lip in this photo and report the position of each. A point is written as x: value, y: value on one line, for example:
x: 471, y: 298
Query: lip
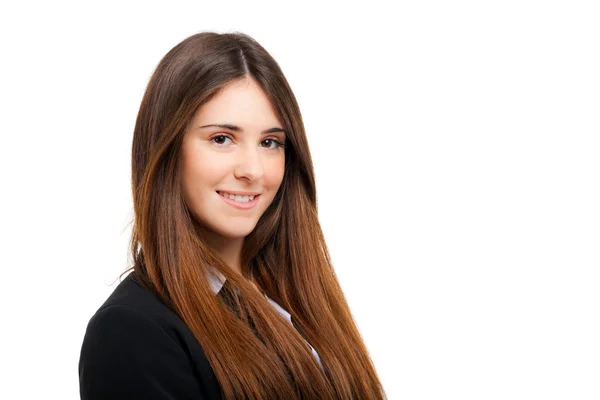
x: 242, y: 206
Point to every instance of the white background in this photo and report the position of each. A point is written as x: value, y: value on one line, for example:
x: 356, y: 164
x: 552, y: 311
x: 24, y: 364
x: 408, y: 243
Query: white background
x: 457, y: 154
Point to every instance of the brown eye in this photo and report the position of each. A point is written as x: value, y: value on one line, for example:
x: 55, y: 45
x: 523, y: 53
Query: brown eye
x: 218, y: 140
x: 271, y: 142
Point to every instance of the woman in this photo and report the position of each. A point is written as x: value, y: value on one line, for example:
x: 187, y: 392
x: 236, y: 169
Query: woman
x: 232, y: 293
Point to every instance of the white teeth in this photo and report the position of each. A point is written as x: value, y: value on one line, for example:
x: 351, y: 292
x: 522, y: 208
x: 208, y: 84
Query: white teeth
x: 241, y: 199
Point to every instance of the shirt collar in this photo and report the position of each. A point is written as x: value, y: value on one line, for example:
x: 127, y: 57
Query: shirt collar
x: 216, y: 280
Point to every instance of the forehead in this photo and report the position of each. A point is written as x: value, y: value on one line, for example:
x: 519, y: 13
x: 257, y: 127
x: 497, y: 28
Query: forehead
x: 239, y: 102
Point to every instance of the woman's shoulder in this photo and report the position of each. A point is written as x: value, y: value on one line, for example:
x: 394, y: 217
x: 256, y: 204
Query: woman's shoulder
x: 131, y: 292
x: 130, y: 304
x: 134, y: 343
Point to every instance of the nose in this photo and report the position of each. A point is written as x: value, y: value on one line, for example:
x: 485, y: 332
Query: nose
x: 249, y: 165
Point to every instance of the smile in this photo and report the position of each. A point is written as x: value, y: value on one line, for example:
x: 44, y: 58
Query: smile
x: 241, y: 202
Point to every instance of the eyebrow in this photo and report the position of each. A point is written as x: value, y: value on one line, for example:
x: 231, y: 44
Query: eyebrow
x: 238, y: 129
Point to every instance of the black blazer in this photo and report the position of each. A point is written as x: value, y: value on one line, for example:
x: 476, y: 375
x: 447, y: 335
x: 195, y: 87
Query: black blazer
x: 135, y: 347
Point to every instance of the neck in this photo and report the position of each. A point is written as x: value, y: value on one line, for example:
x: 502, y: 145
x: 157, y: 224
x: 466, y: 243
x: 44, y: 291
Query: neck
x: 230, y: 251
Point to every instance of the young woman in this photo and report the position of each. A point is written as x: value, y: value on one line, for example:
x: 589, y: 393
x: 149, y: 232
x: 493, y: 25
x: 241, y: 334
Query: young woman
x: 232, y: 293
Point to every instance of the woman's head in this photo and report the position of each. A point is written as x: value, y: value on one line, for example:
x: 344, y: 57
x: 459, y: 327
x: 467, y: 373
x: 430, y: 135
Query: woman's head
x: 220, y: 79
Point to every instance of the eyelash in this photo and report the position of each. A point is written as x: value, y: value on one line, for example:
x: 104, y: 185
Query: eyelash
x: 277, y: 142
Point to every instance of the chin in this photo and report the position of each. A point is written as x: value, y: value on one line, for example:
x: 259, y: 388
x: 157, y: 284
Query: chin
x: 240, y: 232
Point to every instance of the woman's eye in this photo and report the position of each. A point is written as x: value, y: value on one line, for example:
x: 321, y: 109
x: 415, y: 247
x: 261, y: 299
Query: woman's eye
x: 219, y: 138
x: 272, y: 143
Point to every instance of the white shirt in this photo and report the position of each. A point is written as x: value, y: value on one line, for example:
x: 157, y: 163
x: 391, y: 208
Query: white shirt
x: 216, y: 282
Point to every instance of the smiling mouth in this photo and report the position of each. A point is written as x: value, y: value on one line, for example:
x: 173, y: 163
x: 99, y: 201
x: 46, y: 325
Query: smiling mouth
x: 238, y: 198
x: 244, y: 204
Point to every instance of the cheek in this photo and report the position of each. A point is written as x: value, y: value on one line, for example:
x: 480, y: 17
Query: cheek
x: 202, y: 173
x: 274, y: 173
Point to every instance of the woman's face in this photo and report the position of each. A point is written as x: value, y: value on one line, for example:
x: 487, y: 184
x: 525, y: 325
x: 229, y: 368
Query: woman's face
x: 244, y: 157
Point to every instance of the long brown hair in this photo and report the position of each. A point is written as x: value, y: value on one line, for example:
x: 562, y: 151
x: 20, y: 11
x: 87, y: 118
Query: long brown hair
x: 256, y: 354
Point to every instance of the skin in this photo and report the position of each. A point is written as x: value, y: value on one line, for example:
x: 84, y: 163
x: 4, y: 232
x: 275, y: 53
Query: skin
x: 215, y: 159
